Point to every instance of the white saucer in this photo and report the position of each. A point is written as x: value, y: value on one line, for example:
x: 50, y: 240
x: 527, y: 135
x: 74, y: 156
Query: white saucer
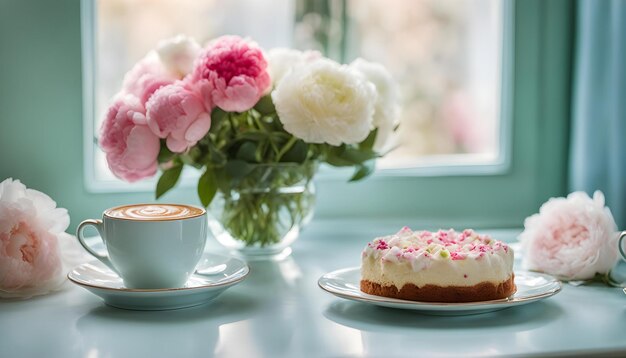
x: 217, y: 274
x: 531, y: 287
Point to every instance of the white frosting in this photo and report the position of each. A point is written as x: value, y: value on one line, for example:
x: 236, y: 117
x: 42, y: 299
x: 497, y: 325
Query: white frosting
x: 444, y: 258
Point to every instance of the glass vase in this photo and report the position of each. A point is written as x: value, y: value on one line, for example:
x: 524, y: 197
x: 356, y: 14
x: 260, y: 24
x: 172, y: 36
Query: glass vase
x: 261, y: 214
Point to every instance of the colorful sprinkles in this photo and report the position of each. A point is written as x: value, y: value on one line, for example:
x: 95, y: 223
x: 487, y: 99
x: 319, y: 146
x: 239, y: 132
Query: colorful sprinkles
x: 441, y: 245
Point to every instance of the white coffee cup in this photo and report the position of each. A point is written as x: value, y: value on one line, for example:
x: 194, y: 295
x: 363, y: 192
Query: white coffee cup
x: 620, y: 244
x: 150, y: 245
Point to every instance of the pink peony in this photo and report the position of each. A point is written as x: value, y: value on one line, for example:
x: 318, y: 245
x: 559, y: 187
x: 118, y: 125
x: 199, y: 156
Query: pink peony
x: 234, y: 73
x: 31, y: 234
x: 573, y: 238
x: 180, y: 115
x: 131, y: 148
x: 147, y: 76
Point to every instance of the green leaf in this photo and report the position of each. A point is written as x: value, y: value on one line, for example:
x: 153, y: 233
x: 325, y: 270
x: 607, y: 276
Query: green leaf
x: 223, y: 182
x: 363, y: 170
x: 368, y: 143
x: 280, y: 136
x: 165, y: 155
x: 237, y: 169
x: 297, y: 153
x: 265, y: 105
x: 346, y: 156
x: 247, y: 152
x: 192, y: 157
x: 357, y: 156
x: 215, y: 157
x: 334, y: 158
x: 259, y: 155
x: 207, y: 187
x: 217, y: 115
x: 167, y: 180
x: 252, y: 135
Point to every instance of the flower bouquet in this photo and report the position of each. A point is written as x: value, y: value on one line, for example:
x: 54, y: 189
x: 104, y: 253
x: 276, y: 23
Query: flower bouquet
x: 256, y: 124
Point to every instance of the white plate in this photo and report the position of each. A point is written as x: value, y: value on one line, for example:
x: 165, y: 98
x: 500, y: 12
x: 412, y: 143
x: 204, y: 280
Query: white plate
x: 531, y: 287
x: 217, y: 274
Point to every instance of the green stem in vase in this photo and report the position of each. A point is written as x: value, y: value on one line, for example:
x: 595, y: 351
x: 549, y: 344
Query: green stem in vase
x: 265, y: 206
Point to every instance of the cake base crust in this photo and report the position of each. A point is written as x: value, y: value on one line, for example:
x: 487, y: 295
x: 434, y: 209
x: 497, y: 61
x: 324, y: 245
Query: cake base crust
x: 484, y: 291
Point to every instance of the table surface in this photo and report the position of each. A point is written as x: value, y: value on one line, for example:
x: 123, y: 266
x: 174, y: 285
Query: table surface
x: 279, y: 311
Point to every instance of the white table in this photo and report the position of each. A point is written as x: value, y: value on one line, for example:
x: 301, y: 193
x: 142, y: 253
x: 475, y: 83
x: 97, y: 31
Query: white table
x: 279, y: 311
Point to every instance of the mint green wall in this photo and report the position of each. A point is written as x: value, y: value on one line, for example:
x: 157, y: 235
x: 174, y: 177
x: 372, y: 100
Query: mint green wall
x: 41, y: 104
x: 41, y: 126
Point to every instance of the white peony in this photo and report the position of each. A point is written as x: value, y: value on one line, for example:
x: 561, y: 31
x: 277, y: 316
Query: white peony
x: 35, y: 251
x: 178, y: 54
x: 325, y: 102
x: 573, y: 238
x: 281, y: 60
x: 386, y: 109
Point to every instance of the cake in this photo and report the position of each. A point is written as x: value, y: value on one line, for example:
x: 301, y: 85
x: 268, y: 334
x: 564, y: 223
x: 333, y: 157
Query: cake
x: 443, y: 266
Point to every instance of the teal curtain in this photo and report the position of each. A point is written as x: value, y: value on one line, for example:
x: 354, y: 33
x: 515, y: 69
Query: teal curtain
x: 598, y: 142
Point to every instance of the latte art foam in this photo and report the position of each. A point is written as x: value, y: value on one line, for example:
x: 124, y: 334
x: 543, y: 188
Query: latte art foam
x: 154, y: 212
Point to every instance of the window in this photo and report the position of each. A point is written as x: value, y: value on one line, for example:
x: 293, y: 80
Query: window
x: 446, y: 55
x: 498, y: 65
